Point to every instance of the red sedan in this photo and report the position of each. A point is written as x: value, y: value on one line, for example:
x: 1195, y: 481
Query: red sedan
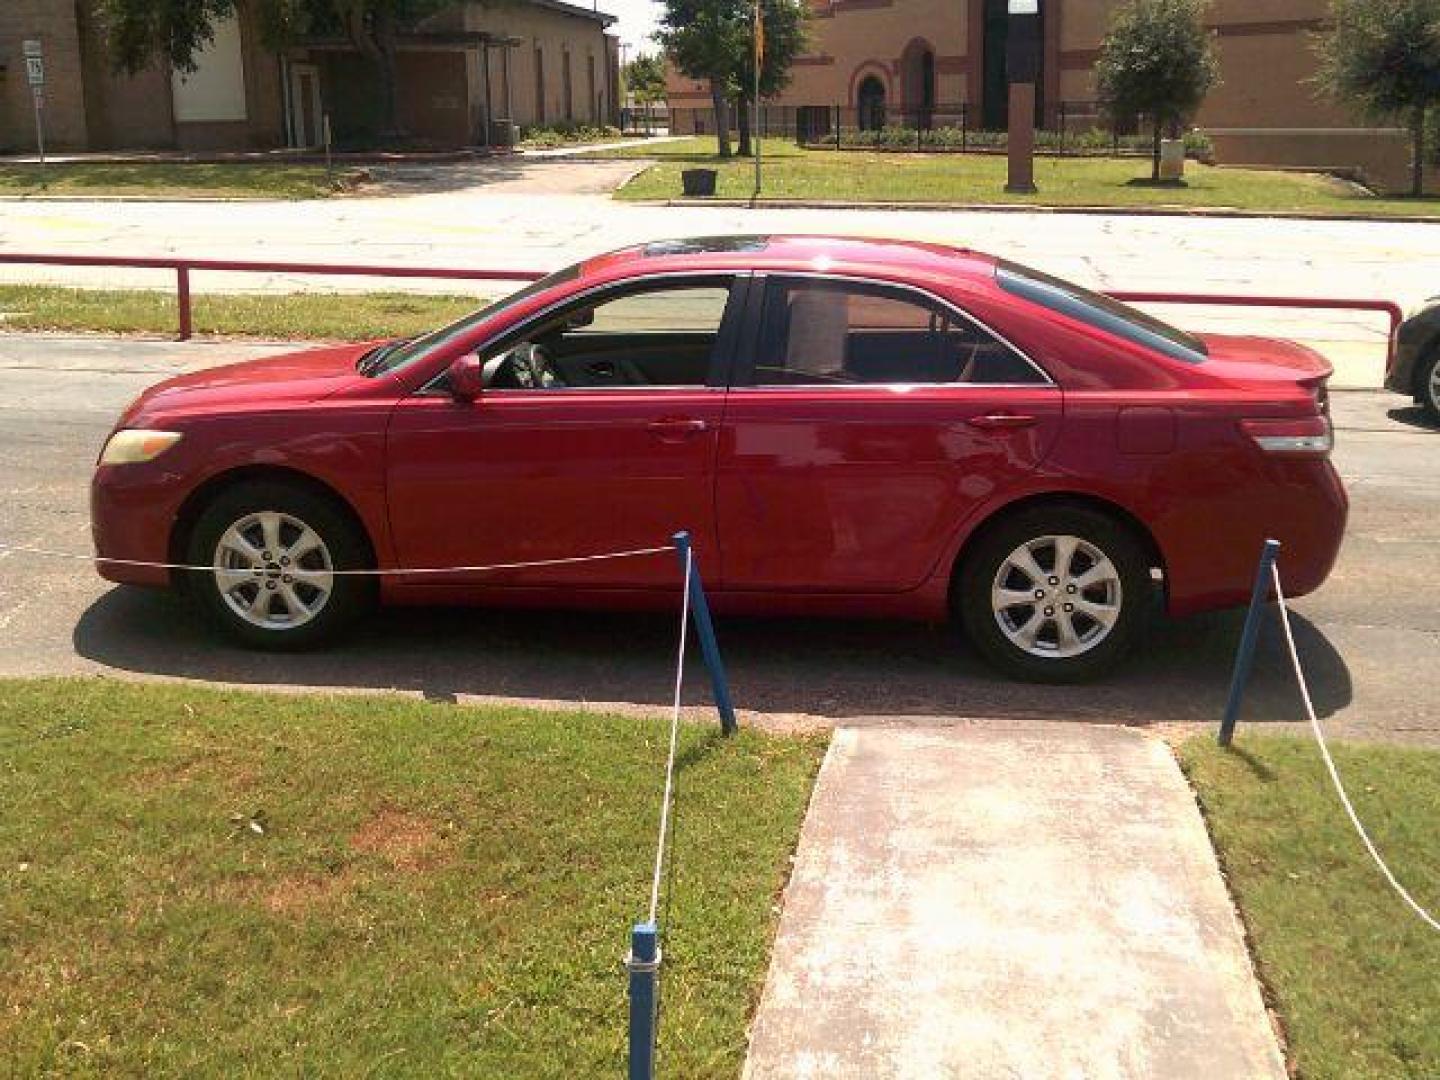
x: 853, y: 427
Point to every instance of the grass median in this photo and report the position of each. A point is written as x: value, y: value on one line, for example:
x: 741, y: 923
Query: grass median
x: 1351, y: 971
x: 166, y: 179
x: 286, y: 316
x: 205, y: 882
x: 791, y: 173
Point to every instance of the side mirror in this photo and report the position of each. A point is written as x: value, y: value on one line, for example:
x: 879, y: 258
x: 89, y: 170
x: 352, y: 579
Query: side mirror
x: 467, y: 378
x: 578, y: 320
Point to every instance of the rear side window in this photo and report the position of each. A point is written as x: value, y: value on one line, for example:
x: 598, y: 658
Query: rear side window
x: 1100, y: 311
x: 818, y: 332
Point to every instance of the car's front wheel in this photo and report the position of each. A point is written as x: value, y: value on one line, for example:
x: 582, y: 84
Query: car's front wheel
x: 275, y: 549
x: 1055, y: 594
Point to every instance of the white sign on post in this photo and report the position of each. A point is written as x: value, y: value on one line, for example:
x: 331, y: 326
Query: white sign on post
x: 35, y: 70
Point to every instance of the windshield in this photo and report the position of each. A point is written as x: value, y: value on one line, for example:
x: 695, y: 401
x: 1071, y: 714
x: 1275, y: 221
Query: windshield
x: 399, y: 354
x: 1100, y: 311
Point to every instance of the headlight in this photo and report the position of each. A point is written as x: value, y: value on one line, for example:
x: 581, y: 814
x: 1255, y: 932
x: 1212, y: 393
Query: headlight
x: 134, y: 445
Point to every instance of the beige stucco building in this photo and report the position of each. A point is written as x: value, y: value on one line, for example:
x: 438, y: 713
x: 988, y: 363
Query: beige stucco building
x: 461, y: 74
x: 894, y: 60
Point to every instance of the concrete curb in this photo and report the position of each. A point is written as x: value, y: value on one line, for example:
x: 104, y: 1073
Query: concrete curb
x: 1025, y: 208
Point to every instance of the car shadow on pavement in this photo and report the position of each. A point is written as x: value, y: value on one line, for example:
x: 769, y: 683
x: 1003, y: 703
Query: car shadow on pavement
x: 841, y: 669
x: 1413, y: 416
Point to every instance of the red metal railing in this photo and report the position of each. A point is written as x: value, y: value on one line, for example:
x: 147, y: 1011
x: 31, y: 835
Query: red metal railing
x: 183, y: 267
x: 1312, y: 303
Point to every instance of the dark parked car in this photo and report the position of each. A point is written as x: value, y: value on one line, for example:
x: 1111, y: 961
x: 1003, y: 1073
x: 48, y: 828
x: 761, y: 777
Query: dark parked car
x: 852, y: 427
x: 1415, y: 366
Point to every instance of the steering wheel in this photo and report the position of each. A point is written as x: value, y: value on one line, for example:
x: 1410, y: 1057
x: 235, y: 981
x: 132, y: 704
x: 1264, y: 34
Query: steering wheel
x: 531, y: 367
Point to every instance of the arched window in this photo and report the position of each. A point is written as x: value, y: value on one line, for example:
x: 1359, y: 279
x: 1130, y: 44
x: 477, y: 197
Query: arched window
x: 870, y: 104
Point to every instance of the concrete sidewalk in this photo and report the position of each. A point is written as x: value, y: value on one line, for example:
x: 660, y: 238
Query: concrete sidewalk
x: 1012, y: 900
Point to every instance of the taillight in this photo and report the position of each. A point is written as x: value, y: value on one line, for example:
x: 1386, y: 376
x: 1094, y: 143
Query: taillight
x: 1310, y: 436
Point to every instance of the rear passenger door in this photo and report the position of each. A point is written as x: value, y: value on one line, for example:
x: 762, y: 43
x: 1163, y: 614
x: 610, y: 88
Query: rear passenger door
x: 866, y: 421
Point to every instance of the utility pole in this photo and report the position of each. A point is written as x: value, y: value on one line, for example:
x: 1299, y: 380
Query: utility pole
x: 1022, y: 66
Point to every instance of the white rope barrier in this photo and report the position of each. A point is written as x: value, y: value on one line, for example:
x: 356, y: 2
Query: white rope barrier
x: 667, y: 798
x: 1414, y: 906
x: 23, y: 549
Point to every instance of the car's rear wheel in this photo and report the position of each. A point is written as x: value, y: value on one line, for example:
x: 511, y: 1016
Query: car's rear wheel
x: 1054, y: 594
x: 275, y: 549
x: 1429, y: 386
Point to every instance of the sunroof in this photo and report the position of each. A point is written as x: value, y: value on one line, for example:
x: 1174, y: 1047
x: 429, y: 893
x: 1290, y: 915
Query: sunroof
x: 705, y: 245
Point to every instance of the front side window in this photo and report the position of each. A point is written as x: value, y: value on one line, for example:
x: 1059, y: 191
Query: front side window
x: 818, y: 332
x: 400, y: 354
x: 660, y: 335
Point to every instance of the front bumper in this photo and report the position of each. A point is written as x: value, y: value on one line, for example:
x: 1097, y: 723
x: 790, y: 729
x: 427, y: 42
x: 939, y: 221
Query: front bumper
x: 133, y: 509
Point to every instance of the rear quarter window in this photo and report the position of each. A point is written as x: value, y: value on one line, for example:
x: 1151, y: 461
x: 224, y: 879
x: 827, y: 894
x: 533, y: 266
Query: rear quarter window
x: 1100, y: 311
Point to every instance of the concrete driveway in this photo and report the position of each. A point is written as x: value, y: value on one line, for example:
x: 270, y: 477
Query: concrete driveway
x: 1365, y: 636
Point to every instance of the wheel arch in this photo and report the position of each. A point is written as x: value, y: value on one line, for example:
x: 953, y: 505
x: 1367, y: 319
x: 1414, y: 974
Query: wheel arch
x: 1068, y: 500
x: 205, y: 493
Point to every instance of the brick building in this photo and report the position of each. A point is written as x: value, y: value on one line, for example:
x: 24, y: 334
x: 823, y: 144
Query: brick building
x: 891, y: 60
x: 473, y: 65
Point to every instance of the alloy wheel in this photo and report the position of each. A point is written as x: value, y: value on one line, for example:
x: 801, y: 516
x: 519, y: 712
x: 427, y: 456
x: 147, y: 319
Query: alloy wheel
x: 1056, y: 596
x: 273, y: 570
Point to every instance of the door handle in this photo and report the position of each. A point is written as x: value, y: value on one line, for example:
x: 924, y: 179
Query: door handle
x: 675, y: 428
x: 1001, y: 421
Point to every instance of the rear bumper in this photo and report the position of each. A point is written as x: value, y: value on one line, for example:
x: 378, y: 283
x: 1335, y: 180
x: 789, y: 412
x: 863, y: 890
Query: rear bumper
x: 132, y: 514
x: 1212, y: 559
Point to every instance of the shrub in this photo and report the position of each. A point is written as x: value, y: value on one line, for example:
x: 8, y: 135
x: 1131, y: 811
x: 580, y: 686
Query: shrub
x: 565, y: 134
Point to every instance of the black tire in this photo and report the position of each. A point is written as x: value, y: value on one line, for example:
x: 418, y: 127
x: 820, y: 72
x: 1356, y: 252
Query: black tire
x: 343, y: 540
x: 1427, y: 385
x: 1100, y: 649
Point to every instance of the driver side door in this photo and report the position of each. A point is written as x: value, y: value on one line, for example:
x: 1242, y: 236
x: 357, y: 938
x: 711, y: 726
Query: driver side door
x: 613, y: 449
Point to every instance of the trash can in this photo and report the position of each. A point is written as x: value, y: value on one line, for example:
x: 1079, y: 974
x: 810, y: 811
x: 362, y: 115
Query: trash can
x: 503, y: 134
x: 698, y: 181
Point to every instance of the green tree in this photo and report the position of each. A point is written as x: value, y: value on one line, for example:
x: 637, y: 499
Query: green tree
x: 786, y: 26
x: 645, y: 79
x: 702, y: 39
x: 714, y: 41
x: 1384, y: 56
x: 141, y: 32
x: 1156, y: 60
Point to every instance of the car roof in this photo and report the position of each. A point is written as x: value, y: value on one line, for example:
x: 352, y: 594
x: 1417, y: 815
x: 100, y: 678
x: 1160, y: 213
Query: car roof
x: 831, y: 254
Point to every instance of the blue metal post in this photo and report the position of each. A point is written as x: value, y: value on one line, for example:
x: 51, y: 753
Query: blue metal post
x: 1245, y: 655
x: 700, y: 611
x: 643, y: 964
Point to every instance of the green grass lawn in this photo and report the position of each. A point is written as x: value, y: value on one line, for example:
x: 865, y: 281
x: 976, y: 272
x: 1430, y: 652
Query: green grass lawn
x: 196, y: 882
x: 1354, y: 974
x: 164, y: 179
x: 321, y: 316
x: 868, y: 176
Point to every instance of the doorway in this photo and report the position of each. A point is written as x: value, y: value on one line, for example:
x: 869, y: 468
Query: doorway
x: 870, y: 104
x: 306, y: 107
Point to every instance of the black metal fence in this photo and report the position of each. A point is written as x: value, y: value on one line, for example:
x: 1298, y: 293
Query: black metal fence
x: 645, y: 119
x: 1071, y: 128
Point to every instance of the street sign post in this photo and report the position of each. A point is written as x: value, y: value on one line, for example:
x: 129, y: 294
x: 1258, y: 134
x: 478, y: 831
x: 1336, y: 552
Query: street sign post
x: 35, y: 73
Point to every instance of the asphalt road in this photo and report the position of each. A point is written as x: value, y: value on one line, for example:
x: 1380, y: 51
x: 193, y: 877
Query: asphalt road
x: 1369, y: 637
